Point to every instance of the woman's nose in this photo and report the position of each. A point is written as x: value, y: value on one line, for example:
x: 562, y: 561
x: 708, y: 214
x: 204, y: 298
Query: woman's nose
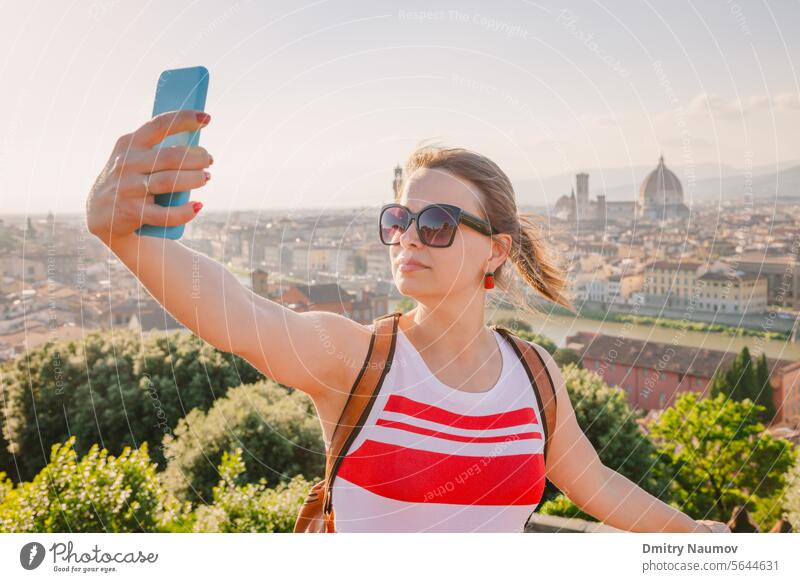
x: 410, y: 235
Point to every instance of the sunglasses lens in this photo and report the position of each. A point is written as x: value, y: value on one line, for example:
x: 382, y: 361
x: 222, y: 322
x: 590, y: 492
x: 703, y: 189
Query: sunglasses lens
x: 437, y: 226
x: 394, y: 221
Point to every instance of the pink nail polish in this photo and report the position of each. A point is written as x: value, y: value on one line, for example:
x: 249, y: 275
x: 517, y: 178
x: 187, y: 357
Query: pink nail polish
x: 207, y: 175
x: 203, y: 118
x: 196, y: 206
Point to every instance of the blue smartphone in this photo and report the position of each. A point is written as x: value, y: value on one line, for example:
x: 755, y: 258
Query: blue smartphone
x: 177, y: 89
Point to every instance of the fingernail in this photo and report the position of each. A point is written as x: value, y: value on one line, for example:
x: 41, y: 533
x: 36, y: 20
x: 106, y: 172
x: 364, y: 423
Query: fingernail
x: 196, y: 206
x: 210, y: 159
x: 203, y: 118
x: 207, y: 175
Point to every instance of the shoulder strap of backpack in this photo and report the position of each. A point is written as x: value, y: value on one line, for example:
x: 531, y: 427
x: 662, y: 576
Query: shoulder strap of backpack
x: 540, y: 378
x: 363, y: 392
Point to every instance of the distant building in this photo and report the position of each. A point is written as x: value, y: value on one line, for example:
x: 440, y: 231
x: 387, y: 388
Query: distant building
x: 652, y: 382
x: 661, y: 195
x: 577, y: 207
x: 790, y: 392
x: 378, y: 263
x: 143, y: 314
x: 671, y: 283
x: 397, y: 183
x: 732, y: 292
x: 333, y: 298
x: 781, y: 272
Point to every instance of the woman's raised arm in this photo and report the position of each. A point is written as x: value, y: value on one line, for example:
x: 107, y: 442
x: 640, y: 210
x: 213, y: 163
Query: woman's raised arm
x: 314, y: 352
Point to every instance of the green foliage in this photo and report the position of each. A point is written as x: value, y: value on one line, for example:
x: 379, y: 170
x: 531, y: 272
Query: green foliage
x: 763, y: 389
x: 252, y: 507
x: 610, y: 425
x: 277, y: 428
x: 564, y: 356
x: 102, y: 493
x: 562, y: 506
x: 109, y: 388
x: 718, y: 455
x: 6, y: 486
x: 405, y: 305
x: 766, y: 511
x: 731, y: 330
x: 744, y: 380
x: 791, y: 499
x: 99, y: 493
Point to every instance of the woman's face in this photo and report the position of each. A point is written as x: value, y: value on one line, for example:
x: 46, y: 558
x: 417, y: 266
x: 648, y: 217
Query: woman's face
x: 457, y: 269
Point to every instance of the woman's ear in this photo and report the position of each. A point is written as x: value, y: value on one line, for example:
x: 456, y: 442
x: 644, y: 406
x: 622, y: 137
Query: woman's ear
x: 501, y: 248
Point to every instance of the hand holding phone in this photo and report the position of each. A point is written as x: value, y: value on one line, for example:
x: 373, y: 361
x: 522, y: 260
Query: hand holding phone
x: 143, y: 166
x: 177, y: 89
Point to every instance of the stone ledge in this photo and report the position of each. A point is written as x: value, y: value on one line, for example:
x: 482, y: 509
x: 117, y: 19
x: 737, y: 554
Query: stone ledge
x: 540, y: 523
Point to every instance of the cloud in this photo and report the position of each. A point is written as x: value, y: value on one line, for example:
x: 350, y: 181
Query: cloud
x: 706, y: 104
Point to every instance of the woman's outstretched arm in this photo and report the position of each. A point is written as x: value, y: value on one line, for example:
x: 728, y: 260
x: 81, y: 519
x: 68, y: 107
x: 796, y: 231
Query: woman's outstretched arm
x: 574, y: 467
x: 314, y: 351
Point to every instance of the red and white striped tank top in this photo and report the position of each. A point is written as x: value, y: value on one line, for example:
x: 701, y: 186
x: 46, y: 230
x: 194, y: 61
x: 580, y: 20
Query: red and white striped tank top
x: 434, y: 458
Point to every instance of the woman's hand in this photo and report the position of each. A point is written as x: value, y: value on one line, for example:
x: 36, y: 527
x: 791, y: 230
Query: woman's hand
x: 122, y: 198
x: 713, y: 526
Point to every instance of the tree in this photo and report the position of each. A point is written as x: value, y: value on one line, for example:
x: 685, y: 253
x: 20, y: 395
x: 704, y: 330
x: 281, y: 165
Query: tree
x: 564, y: 356
x: 277, y: 428
x: 764, y: 390
x: 718, y: 455
x: 744, y: 379
x: 609, y: 423
x: 109, y: 388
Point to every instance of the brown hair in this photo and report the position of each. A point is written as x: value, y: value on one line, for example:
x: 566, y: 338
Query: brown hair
x: 529, y: 253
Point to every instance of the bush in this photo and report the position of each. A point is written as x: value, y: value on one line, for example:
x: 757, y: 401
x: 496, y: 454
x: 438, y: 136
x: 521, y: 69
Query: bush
x: 110, y: 389
x: 791, y: 501
x: 252, y: 507
x: 99, y: 493
x: 563, y: 507
x: 611, y: 426
x: 277, y: 428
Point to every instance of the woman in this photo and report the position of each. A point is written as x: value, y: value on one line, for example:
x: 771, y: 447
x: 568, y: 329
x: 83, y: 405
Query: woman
x: 455, y: 395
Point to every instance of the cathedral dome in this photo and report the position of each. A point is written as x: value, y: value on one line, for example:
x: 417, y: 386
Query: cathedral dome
x: 661, y: 194
x: 659, y: 182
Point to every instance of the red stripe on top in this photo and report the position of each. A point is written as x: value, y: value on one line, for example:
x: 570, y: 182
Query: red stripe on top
x: 457, y: 437
x: 404, y: 405
x: 418, y: 476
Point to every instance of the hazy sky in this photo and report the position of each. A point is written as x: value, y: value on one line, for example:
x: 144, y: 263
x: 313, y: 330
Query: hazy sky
x: 314, y: 103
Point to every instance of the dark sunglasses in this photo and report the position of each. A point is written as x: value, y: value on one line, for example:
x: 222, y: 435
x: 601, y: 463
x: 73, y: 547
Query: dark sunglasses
x: 436, y: 223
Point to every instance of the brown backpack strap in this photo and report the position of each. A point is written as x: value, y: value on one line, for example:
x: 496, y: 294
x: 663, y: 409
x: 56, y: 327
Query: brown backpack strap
x: 362, y: 395
x: 540, y: 378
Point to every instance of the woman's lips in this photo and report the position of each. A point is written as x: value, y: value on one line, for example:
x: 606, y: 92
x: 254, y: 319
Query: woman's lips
x: 408, y: 267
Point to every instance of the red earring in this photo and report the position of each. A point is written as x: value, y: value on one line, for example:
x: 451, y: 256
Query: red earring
x: 488, y: 280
